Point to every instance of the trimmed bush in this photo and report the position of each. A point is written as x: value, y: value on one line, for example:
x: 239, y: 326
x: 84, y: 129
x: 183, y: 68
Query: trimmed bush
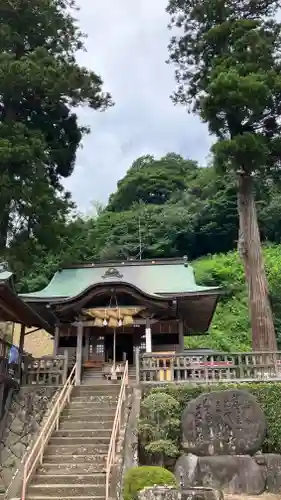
x: 267, y: 394
x: 138, y: 478
x: 158, y: 428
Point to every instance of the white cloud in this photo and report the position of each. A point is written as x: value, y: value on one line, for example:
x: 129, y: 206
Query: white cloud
x: 127, y: 44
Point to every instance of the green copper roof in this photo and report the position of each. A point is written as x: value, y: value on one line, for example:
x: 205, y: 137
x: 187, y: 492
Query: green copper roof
x: 152, y: 277
x: 5, y: 275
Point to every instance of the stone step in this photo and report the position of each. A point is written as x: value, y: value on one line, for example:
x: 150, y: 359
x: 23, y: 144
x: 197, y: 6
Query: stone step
x: 96, y: 446
x: 106, y: 412
x: 82, y: 390
x: 95, y: 497
x: 106, y: 419
x: 96, y: 464
x: 63, y: 490
x: 79, y: 433
x: 70, y: 459
x: 90, y: 382
x: 74, y: 424
x: 95, y: 398
x: 97, y: 478
x: 92, y: 405
x: 83, y: 441
x: 36, y: 497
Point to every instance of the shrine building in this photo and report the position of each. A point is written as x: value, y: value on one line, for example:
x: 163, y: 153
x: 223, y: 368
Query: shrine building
x: 106, y: 312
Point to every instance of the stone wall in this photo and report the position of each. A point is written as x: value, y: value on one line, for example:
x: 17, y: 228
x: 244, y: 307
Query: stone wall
x: 28, y: 408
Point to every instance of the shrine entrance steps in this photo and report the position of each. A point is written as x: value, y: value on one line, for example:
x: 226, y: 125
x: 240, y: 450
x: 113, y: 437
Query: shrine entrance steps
x: 75, y: 458
x: 95, y: 376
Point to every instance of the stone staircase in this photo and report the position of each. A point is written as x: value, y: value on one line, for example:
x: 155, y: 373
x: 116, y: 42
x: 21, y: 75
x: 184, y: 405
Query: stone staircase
x: 94, y: 376
x: 75, y: 458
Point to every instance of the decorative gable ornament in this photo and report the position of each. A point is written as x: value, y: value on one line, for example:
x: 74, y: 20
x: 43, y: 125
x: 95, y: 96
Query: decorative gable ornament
x: 112, y: 272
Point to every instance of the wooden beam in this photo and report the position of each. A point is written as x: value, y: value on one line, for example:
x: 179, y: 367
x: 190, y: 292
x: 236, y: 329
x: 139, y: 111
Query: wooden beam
x: 137, y: 321
x: 56, y: 341
x: 21, y: 340
x: 78, y: 303
x: 87, y: 345
x: 181, y: 335
x: 10, y: 313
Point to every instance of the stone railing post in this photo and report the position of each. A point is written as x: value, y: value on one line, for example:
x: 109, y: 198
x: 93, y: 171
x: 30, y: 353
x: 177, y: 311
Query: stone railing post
x: 65, y: 367
x: 137, y: 362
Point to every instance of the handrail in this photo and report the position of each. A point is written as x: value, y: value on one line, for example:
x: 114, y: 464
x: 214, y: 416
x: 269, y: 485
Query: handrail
x: 37, y: 451
x: 116, y: 428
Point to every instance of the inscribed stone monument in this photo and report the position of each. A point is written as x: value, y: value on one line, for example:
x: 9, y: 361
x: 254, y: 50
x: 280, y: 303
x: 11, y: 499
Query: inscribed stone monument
x: 223, y: 423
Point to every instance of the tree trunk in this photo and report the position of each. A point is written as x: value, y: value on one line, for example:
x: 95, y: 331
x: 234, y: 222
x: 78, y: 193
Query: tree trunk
x: 249, y: 246
x: 4, y: 228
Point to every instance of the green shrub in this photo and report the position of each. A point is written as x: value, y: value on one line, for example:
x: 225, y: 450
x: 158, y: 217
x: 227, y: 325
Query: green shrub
x: 158, y: 427
x: 138, y: 478
x: 267, y: 394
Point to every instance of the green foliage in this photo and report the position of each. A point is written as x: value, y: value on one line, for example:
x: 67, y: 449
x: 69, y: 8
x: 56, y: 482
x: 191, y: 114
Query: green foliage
x: 159, y: 426
x: 228, y: 68
x: 40, y: 85
x: 151, y: 181
x: 268, y: 396
x: 230, y: 329
x: 200, y: 220
x: 138, y: 478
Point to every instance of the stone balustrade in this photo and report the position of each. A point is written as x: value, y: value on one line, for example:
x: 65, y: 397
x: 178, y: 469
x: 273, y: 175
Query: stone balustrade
x: 48, y: 371
x: 218, y: 367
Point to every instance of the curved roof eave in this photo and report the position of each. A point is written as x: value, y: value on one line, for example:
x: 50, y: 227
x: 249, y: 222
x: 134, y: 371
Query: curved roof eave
x: 200, y: 290
x: 113, y: 284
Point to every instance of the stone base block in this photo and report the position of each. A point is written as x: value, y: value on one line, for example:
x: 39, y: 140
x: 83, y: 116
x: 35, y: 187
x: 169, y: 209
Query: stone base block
x: 201, y: 493
x: 237, y: 474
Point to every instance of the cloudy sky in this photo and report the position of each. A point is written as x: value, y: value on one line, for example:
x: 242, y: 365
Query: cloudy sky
x: 127, y: 45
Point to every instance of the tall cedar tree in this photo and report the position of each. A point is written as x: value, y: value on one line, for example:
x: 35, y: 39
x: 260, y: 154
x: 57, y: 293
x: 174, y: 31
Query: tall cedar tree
x: 40, y: 84
x: 227, y: 57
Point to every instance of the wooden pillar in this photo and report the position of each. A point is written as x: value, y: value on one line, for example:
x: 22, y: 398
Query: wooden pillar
x: 87, y: 344
x: 21, y: 340
x: 148, y: 342
x: 56, y: 341
x: 79, y: 353
x: 181, y: 336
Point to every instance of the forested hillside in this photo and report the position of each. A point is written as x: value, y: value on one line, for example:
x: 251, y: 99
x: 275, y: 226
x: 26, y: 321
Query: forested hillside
x: 164, y: 208
x: 231, y: 326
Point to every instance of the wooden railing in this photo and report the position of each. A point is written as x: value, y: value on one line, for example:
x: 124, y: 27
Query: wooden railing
x: 116, y: 429
x: 36, y: 454
x: 45, y: 371
x: 222, y: 367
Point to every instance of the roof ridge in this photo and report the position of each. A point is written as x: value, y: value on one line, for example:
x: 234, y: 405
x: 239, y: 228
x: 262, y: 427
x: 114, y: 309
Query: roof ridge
x: 127, y: 263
